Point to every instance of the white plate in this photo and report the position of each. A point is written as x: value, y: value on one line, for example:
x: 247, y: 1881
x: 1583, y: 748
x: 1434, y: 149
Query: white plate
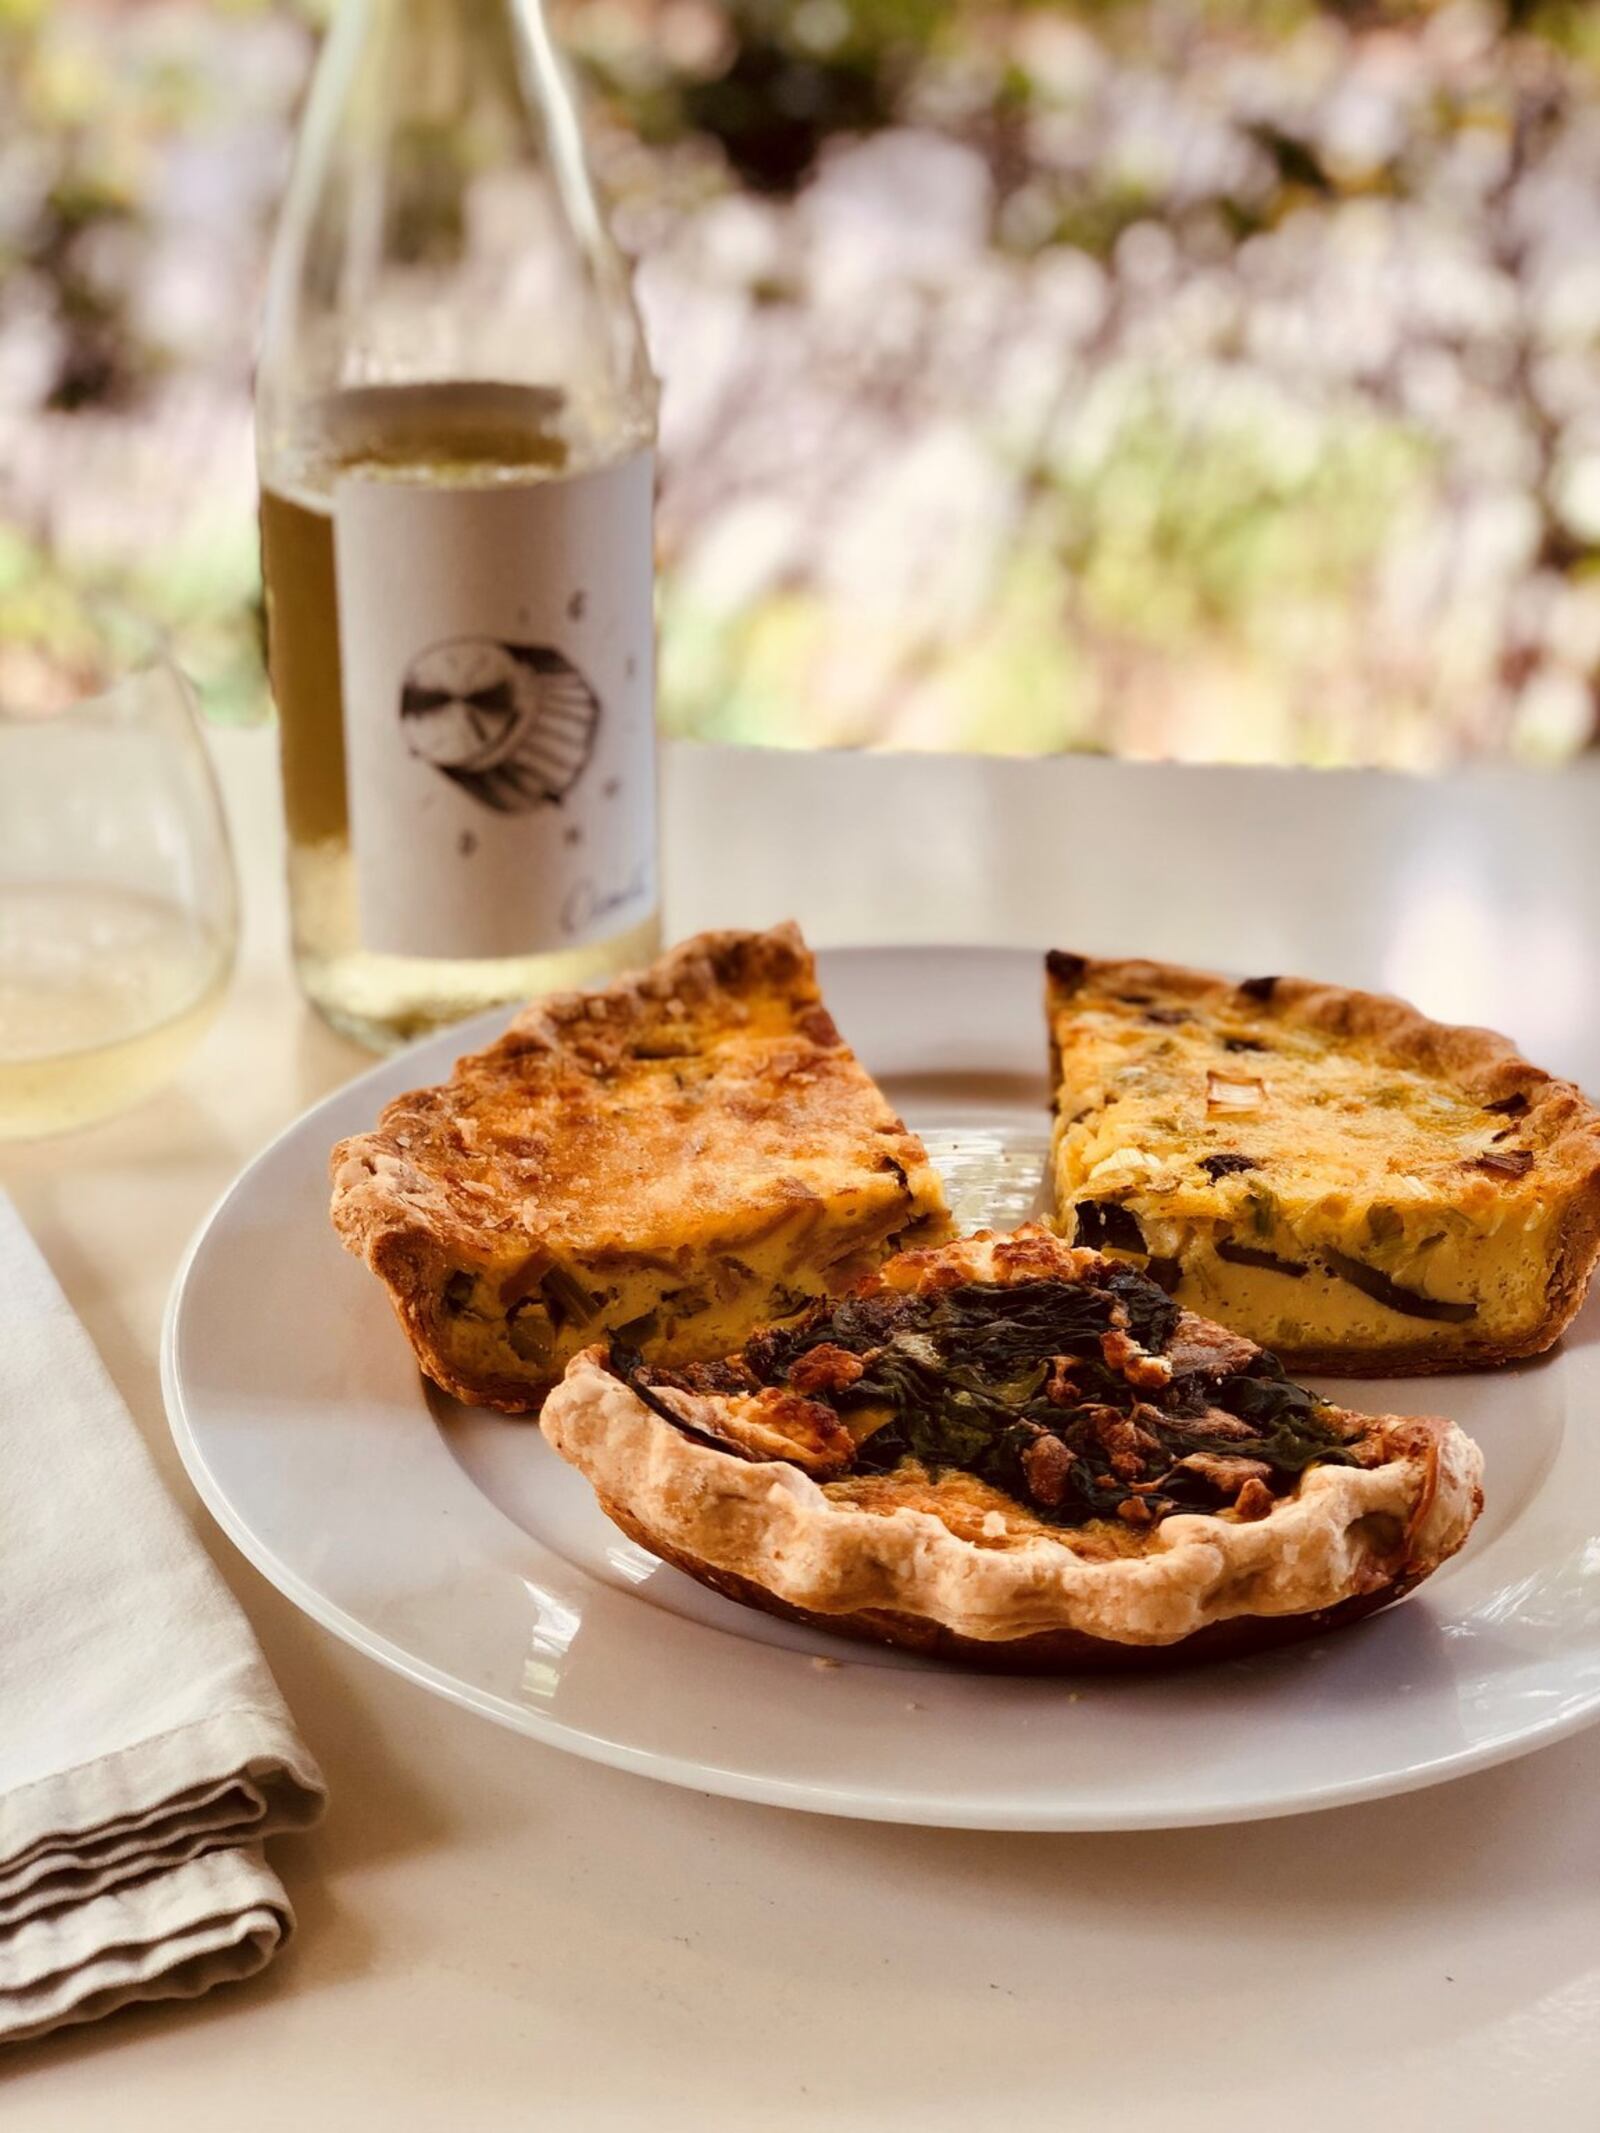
x: 455, y: 1547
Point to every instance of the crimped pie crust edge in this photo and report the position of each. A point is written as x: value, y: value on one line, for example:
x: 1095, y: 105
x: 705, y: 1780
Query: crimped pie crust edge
x: 768, y: 1525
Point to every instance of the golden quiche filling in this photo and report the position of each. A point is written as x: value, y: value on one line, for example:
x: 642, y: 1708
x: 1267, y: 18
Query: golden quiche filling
x: 677, y: 1158
x: 1329, y: 1172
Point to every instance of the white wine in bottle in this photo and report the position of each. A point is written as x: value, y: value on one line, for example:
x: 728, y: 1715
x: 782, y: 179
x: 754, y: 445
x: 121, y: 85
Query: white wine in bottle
x: 455, y: 428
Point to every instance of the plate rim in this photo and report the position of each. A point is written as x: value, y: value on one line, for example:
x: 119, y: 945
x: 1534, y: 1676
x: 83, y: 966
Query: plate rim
x: 987, y: 1812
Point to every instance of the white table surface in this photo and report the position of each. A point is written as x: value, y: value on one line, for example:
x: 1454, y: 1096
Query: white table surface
x: 494, y: 1935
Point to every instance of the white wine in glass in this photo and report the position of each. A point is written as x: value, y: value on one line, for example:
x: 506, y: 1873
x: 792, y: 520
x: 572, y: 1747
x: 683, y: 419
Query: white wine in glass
x: 455, y: 427
x: 117, y: 906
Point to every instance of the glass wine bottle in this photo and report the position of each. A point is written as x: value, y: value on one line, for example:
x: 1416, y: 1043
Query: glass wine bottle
x: 455, y: 430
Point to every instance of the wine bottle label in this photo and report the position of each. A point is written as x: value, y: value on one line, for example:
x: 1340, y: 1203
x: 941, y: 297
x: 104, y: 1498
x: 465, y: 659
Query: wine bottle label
x: 497, y: 654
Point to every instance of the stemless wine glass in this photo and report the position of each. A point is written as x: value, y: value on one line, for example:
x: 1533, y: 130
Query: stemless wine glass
x: 118, y: 911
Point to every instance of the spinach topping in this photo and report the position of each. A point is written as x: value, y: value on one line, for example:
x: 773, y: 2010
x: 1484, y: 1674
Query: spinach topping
x: 1010, y: 1383
x: 629, y: 1365
x: 1273, y: 1404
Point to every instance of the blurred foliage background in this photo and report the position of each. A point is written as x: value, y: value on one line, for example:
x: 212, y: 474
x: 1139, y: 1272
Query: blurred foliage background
x: 1216, y: 380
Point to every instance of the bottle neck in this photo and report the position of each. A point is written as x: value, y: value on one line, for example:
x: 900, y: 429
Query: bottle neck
x: 440, y: 228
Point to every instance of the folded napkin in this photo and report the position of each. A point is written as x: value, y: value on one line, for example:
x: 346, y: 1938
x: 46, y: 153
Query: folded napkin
x: 145, y: 1752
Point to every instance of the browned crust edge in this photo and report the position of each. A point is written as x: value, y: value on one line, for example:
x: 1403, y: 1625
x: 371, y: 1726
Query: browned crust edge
x: 1050, y: 1651
x: 1481, y: 1062
x: 761, y: 1533
x: 406, y: 1231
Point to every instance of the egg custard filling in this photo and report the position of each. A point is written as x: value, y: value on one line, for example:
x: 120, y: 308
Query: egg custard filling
x: 675, y: 1159
x: 1350, y: 1184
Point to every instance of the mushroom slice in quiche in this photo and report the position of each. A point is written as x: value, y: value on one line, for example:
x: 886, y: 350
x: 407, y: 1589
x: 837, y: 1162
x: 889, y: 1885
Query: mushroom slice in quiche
x: 679, y: 1157
x: 1354, y: 1186
x: 1014, y: 1452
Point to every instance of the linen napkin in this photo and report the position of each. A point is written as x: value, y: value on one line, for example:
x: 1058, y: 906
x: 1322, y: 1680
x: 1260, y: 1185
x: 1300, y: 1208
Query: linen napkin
x: 145, y: 1751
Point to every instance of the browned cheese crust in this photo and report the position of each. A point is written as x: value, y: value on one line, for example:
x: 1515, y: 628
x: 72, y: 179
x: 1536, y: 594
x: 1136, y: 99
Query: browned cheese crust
x: 688, y: 1151
x: 739, y: 1476
x: 1397, y: 1195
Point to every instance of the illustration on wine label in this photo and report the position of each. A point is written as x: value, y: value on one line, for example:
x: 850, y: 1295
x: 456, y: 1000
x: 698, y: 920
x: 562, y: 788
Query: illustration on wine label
x: 512, y: 725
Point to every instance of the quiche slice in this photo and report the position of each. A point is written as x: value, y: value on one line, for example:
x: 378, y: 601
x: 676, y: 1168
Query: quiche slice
x: 1014, y: 1452
x: 678, y: 1158
x: 1356, y: 1187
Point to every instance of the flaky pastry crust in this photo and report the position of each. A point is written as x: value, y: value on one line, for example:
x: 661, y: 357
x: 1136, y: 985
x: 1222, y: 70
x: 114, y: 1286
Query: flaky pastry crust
x: 1346, y: 1540
x: 653, y: 1130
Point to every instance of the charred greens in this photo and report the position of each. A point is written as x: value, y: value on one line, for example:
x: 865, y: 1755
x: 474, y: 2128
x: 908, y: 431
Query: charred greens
x: 1013, y: 1383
